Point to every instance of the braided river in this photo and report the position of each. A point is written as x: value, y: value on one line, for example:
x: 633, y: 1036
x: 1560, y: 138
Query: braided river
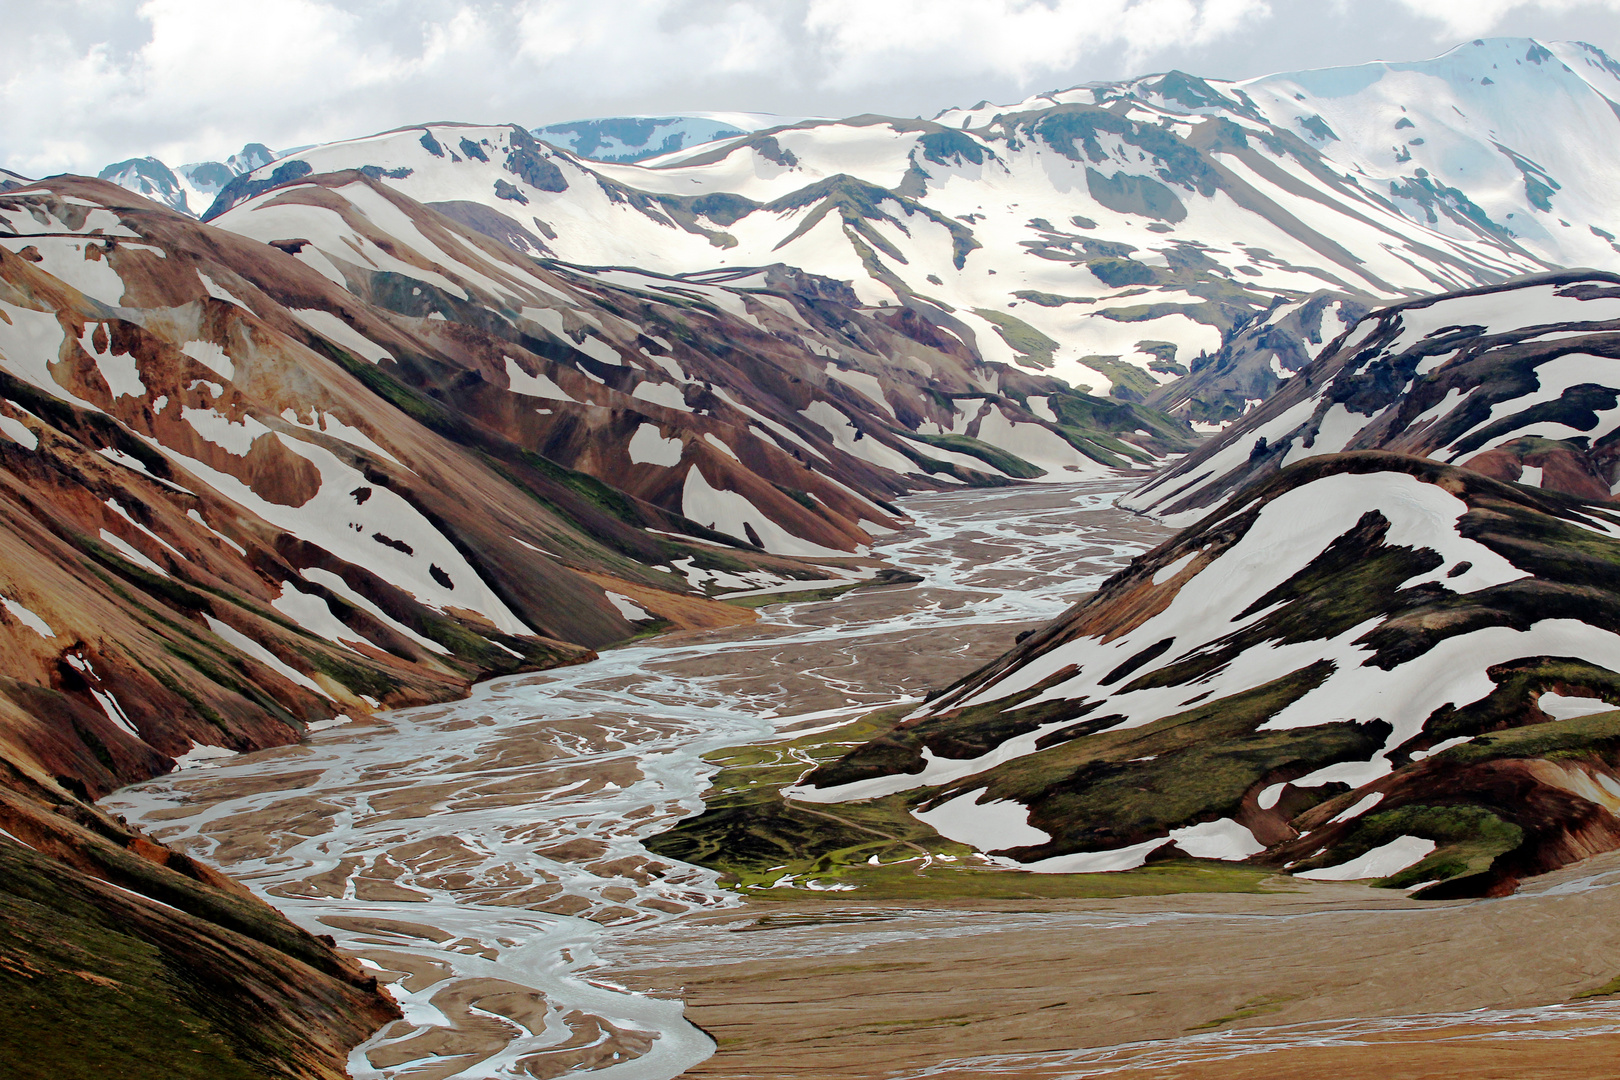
x: 485, y: 856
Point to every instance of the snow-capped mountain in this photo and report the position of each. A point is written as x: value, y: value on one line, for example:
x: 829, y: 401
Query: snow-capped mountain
x: 332, y: 432
x: 1112, y: 234
x: 636, y: 138
x: 873, y: 395
x: 1369, y: 666
x: 1518, y: 381
x: 189, y: 189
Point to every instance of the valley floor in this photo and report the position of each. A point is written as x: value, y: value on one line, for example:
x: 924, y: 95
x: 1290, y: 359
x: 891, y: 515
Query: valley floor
x: 486, y: 857
x: 1309, y: 980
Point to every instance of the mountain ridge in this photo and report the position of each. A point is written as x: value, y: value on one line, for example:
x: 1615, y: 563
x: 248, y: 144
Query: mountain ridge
x: 1452, y: 376
x: 1200, y: 202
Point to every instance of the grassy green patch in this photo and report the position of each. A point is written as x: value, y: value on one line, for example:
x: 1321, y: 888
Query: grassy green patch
x: 993, y: 456
x: 1579, y: 737
x: 1608, y: 988
x: 1259, y: 1006
x: 83, y: 994
x: 1470, y: 840
x: 1131, y: 383
x: 756, y: 839
x: 1035, y: 347
x: 1046, y: 299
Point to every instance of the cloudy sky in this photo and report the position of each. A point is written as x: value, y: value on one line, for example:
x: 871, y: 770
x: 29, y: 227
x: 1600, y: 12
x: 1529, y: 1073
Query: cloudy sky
x: 87, y: 82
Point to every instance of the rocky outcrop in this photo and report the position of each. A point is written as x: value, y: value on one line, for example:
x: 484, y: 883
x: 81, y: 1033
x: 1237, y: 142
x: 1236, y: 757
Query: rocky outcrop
x: 121, y: 957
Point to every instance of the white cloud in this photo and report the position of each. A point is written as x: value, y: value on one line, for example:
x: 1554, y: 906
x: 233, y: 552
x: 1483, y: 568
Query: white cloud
x: 88, y: 82
x: 866, y: 42
x: 1471, y: 18
x: 202, y: 67
x: 638, y: 43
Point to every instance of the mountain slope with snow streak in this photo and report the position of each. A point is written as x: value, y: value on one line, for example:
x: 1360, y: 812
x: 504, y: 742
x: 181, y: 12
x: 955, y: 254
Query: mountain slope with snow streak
x: 1518, y: 381
x: 1111, y: 234
x: 1367, y: 655
x: 387, y: 454
x: 217, y: 535
x: 771, y: 371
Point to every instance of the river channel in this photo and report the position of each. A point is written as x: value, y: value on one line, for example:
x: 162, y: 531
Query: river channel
x: 485, y: 856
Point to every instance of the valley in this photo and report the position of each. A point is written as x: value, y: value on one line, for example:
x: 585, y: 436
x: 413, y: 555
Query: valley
x: 1124, y: 583
x: 489, y: 860
x: 486, y: 856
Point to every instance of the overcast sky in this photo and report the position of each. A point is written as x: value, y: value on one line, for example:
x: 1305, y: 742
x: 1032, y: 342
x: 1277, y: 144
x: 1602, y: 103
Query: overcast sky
x: 87, y: 82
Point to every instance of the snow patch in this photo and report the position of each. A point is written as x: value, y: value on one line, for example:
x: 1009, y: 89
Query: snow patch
x: 666, y: 394
x: 628, y: 608
x: 987, y: 826
x: 244, y: 644
x: 1224, y: 839
x: 210, y: 356
x: 340, y: 333
x: 1361, y: 807
x: 1563, y: 707
x: 27, y: 617
x: 203, y: 757
x: 1096, y: 862
x: 118, y: 544
x: 648, y: 446
x: 19, y: 432
x: 540, y: 386
x: 1380, y: 862
x: 730, y: 512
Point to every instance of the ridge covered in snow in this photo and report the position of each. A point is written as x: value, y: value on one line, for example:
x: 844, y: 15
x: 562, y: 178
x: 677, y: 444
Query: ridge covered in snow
x: 1369, y: 666
x: 1117, y: 235
x: 1519, y: 381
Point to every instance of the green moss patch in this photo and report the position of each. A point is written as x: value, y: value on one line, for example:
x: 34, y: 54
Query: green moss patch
x: 756, y: 838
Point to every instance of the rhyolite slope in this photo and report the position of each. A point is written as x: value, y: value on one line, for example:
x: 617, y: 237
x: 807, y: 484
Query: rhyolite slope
x: 1369, y: 665
x: 1518, y: 381
x: 122, y: 957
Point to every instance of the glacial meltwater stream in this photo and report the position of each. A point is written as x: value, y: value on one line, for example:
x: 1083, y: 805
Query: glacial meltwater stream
x: 484, y: 855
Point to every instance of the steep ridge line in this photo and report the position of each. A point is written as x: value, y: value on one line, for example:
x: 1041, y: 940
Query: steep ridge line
x: 1516, y: 380
x: 1118, y: 235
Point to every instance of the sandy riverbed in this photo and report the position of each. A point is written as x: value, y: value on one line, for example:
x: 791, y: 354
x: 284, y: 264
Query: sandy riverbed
x: 1317, y: 980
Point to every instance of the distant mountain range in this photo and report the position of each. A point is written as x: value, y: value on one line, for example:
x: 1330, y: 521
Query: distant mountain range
x: 189, y: 189
x: 1120, y: 236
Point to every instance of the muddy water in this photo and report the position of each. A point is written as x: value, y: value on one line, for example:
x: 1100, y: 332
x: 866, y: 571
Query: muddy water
x: 486, y: 856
